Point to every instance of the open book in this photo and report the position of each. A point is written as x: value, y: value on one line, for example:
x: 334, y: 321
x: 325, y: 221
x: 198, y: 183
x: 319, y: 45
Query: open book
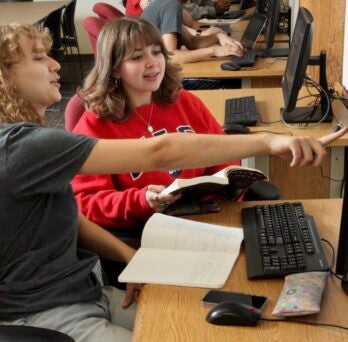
x: 175, y: 251
x: 231, y: 182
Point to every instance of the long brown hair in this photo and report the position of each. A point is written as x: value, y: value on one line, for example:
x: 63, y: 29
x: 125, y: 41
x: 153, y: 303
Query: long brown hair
x: 116, y: 41
x: 13, y: 107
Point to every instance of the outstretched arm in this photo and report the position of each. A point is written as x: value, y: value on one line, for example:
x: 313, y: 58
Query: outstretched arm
x: 201, y: 150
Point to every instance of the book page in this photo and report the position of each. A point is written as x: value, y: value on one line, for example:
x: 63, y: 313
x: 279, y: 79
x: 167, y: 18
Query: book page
x: 179, y: 184
x: 168, y: 232
x: 183, y: 268
x: 229, y: 169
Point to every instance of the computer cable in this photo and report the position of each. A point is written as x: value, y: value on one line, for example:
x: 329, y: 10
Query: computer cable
x: 305, y: 125
x: 291, y: 320
x: 329, y: 178
x: 287, y: 320
x: 333, y: 259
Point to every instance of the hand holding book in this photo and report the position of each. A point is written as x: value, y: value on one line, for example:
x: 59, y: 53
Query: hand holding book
x: 230, y: 182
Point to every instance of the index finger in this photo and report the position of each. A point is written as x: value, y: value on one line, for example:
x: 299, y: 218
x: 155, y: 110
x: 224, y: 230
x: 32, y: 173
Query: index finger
x: 328, y: 139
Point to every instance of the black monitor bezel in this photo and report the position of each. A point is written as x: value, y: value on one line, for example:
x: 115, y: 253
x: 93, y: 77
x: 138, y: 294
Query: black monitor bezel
x: 261, y: 6
x: 245, y: 4
x: 253, y: 30
x: 271, y: 27
x: 342, y: 250
x: 300, y: 55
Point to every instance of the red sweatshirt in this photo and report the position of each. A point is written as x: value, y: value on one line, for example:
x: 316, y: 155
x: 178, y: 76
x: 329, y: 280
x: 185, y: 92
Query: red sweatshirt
x: 118, y: 201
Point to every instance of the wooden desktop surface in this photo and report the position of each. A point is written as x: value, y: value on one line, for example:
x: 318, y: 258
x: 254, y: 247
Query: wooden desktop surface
x: 173, y: 313
x: 263, y: 68
x: 299, y: 182
x: 28, y: 12
x: 268, y: 104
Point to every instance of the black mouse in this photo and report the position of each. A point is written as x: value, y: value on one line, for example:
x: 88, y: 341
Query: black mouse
x: 232, y: 128
x: 233, y: 313
x: 230, y: 66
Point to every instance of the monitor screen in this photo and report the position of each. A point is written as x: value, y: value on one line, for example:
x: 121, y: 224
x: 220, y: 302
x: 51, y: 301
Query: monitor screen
x: 298, y: 59
x: 271, y: 28
x: 342, y: 252
x: 244, y: 4
x: 261, y: 6
x: 256, y: 23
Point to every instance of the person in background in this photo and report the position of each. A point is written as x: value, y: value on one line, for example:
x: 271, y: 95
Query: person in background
x: 135, y: 8
x: 48, y: 265
x: 134, y: 91
x: 167, y: 16
x: 206, y: 8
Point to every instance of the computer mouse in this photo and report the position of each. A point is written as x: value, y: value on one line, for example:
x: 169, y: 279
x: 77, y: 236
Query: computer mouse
x: 233, y: 128
x: 230, y: 66
x: 234, y: 313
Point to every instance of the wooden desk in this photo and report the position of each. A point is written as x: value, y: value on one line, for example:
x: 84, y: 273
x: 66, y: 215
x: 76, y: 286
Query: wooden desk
x: 300, y: 182
x: 172, y: 313
x: 28, y: 12
x: 266, y: 72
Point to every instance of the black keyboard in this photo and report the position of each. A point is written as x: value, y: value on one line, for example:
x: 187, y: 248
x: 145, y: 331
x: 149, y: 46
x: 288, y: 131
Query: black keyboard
x: 281, y: 239
x: 232, y: 14
x: 248, y: 59
x: 240, y: 110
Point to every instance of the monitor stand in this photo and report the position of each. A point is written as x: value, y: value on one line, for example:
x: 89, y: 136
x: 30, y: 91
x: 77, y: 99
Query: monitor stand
x: 310, y: 114
x: 274, y: 52
x: 344, y: 282
x: 306, y: 114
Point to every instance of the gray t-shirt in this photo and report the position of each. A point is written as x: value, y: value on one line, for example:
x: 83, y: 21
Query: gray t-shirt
x: 166, y: 15
x: 40, y: 264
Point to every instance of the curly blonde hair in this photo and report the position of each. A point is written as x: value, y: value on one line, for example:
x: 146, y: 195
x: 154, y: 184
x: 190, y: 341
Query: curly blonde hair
x: 117, y: 40
x: 13, y: 107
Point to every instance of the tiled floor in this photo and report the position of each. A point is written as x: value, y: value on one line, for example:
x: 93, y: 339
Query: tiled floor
x: 71, y: 79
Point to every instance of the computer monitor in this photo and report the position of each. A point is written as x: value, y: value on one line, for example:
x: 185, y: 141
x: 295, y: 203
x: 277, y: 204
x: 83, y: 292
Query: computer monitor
x: 253, y: 30
x: 295, y: 72
x: 271, y: 29
x: 245, y: 4
x: 342, y: 251
x: 261, y: 6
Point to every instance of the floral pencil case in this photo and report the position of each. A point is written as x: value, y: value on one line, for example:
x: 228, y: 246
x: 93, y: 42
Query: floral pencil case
x: 301, y: 294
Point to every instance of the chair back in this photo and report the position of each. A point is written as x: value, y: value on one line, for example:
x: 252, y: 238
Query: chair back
x: 106, y: 11
x: 93, y: 26
x: 53, y: 23
x: 73, y: 111
x: 68, y: 26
